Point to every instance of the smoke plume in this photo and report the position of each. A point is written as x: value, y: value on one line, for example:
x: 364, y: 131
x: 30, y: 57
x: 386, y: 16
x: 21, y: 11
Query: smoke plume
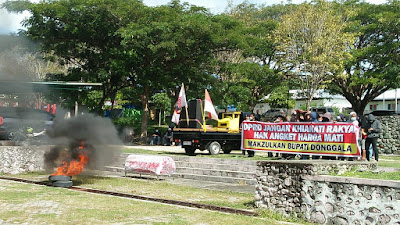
x: 97, y: 134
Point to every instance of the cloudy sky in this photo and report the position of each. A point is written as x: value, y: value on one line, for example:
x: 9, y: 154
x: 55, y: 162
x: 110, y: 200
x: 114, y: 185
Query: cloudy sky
x: 10, y: 22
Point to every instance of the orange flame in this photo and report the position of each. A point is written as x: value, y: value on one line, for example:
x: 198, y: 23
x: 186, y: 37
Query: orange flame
x: 73, y: 167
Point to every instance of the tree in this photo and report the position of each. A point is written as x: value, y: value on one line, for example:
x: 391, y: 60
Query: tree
x: 280, y: 98
x: 83, y: 35
x: 374, y: 67
x: 21, y: 61
x: 169, y: 45
x: 120, y: 43
x: 246, y: 70
x: 311, y: 42
x: 162, y: 102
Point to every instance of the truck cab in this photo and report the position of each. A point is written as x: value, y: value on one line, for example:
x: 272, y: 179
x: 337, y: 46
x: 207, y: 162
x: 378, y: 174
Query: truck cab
x: 230, y: 122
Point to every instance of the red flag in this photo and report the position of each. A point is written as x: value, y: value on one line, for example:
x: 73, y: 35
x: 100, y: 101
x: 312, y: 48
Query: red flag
x: 209, y: 107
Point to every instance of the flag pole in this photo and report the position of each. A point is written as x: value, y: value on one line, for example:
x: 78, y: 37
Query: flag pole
x: 203, y: 113
x: 186, y: 108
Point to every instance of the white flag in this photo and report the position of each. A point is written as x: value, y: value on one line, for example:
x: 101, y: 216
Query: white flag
x: 182, y: 98
x: 176, y: 115
x: 209, y: 107
x: 179, y: 105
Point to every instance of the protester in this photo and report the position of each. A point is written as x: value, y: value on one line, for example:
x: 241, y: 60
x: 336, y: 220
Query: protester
x: 313, y: 118
x: 156, y: 137
x: 247, y: 118
x: 342, y: 117
x: 353, y: 120
x: 250, y: 153
x: 293, y: 117
x: 168, y: 137
x: 327, y: 117
x: 257, y: 116
x: 373, y: 128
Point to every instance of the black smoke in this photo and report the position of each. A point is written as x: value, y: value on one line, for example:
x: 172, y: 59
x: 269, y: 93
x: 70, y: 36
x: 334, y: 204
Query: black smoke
x: 97, y: 134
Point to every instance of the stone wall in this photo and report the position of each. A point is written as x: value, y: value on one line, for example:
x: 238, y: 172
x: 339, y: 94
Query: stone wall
x: 280, y: 184
x: 389, y: 141
x: 22, y: 159
x: 343, y: 200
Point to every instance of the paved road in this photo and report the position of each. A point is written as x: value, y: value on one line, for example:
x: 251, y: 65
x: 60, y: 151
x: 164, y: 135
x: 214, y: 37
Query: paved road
x: 179, y: 149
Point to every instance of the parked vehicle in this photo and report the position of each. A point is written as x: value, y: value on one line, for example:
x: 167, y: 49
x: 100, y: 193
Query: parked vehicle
x: 323, y: 110
x: 383, y: 112
x: 19, y: 123
x: 226, y: 136
x: 273, y: 113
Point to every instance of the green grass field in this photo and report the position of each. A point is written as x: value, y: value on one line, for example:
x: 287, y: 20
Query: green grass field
x: 389, y: 161
x: 32, y: 204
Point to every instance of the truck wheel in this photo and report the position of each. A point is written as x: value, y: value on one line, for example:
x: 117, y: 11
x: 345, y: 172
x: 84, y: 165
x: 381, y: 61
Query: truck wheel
x: 227, y: 151
x: 214, y: 148
x: 190, y: 150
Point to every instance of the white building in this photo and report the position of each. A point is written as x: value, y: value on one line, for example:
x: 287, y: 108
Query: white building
x: 322, y: 98
x: 385, y: 101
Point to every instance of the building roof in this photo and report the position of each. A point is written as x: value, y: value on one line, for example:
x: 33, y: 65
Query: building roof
x: 323, y: 94
x: 388, y: 95
x: 319, y: 94
x: 10, y: 87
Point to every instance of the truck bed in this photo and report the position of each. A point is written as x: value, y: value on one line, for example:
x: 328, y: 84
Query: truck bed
x: 200, y: 139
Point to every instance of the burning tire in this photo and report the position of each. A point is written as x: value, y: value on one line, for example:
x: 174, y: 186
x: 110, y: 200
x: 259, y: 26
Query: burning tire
x: 60, y: 178
x: 62, y: 183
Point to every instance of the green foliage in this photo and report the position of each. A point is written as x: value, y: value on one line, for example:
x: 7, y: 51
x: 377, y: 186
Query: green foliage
x: 374, y: 66
x: 161, y: 101
x: 280, y: 98
x: 389, y: 161
x: 279, y: 217
x: 131, y: 117
x: 312, y: 42
x: 373, y: 175
x: 336, y: 110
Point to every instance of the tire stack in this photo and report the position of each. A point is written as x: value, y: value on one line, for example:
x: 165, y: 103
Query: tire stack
x: 61, y: 181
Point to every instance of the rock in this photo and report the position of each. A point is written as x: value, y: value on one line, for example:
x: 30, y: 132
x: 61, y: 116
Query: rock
x: 329, y: 207
x: 374, y: 210
x: 369, y: 220
x: 383, y: 219
x: 288, y: 182
x: 318, y: 217
x: 339, y: 220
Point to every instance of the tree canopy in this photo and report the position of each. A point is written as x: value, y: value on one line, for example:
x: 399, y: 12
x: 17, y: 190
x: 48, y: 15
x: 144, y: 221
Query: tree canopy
x: 374, y: 65
x: 241, y: 55
x: 312, y: 41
